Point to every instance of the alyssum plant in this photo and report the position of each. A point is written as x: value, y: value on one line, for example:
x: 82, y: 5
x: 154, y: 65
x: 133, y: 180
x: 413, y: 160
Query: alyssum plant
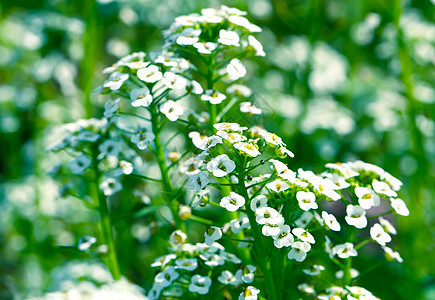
x: 271, y: 223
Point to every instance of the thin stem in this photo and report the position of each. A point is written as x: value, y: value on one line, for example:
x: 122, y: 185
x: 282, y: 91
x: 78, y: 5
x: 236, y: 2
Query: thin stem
x: 146, y: 177
x: 201, y: 220
x: 105, y: 224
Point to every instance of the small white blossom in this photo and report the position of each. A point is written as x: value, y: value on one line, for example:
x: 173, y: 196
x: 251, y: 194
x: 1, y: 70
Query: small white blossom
x: 258, y: 202
x: 299, y: 251
x: 198, y: 181
x: 330, y: 221
x: 162, y: 261
x: 239, y: 90
x: 142, y: 139
x: 87, y: 136
x: 247, y: 148
x: 116, y: 80
x: 150, y: 74
x: 379, y: 235
x: 232, y: 202
x: 172, y: 110
x: 277, y: 186
x: 188, y: 264
x: 80, y: 164
x: 110, y: 186
x: 166, y: 277
x: 227, y: 277
x: 356, y: 216
x: 367, y: 197
x: 391, y: 255
x: 188, y: 36
x: 221, y: 165
x: 235, y: 69
x: 174, y: 81
x: 353, y: 273
x: 212, y: 234
x: 304, y: 219
x: 399, y: 206
x: 250, y: 109
x: 284, y: 238
x: 177, y: 237
x: 141, y: 97
x: 345, y: 250
x: 229, y: 38
x: 303, y: 235
x: 110, y: 148
x: 383, y: 188
x: 246, y: 274
x: 111, y: 107
x: 203, y: 142
x: 237, y: 225
x: 205, y: 47
x: 271, y: 227
x: 306, y: 200
x: 213, y: 96
x: 256, y: 45
x: 388, y: 227
x: 250, y: 293
x: 314, y: 270
x: 266, y: 213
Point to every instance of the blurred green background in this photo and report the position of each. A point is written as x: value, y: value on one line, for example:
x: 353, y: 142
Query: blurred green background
x: 341, y: 80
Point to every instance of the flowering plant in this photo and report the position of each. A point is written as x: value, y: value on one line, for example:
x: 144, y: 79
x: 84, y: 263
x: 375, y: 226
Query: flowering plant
x: 184, y: 112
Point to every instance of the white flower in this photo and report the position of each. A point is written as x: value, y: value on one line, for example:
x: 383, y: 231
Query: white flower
x: 306, y: 200
x: 399, y: 206
x: 80, y: 164
x: 177, y: 237
x: 229, y: 38
x: 367, y: 197
x: 195, y: 88
x: 247, y: 148
x: 237, y: 225
x: 188, y: 264
x: 239, y: 90
x: 235, y: 69
x: 86, y: 242
x: 250, y: 293
x: 271, y: 227
x: 329, y: 247
x: 88, y: 136
x: 250, y: 109
x: 243, y: 22
x: 200, y: 284
x: 330, y: 221
x: 273, y: 140
x: 299, y: 251
x: 166, y: 277
x: 344, y: 169
x: 141, y: 97
x: 198, y: 181
x: 205, y: 47
x: 277, y: 186
x: 142, y: 139
x: 258, y: 47
x: 388, y: 227
x: 150, y: 74
x: 307, y: 288
x: 110, y: 148
x: 246, y: 274
x: 174, y: 81
x: 345, y: 250
x: 188, y: 36
x: 172, y: 110
x: 393, y: 181
x: 264, y: 214
x: 338, y: 180
x: 110, y: 186
x: 116, y: 80
x: 212, y: 234
x: 258, y: 202
x: 162, y: 261
x: 391, y: 255
x: 232, y: 202
x: 213, y: 96
x: 303, y: 235
x: 221, y: 166
x: 284, y: 238
x: 314, y: 270
x: 232, y: 137
x: 353, y: 273
x: 383, y: 188
x: 227, y: 277
x: 379, y: 235
x: 356, y: 216
x: 126, y: 167
x: 111, y: 107
x: 203, y: 142
x: 212, y: 260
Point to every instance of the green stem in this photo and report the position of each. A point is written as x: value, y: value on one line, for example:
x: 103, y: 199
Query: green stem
x: 106, y: 224
x: 164, y: 171
x: 259, y: 247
